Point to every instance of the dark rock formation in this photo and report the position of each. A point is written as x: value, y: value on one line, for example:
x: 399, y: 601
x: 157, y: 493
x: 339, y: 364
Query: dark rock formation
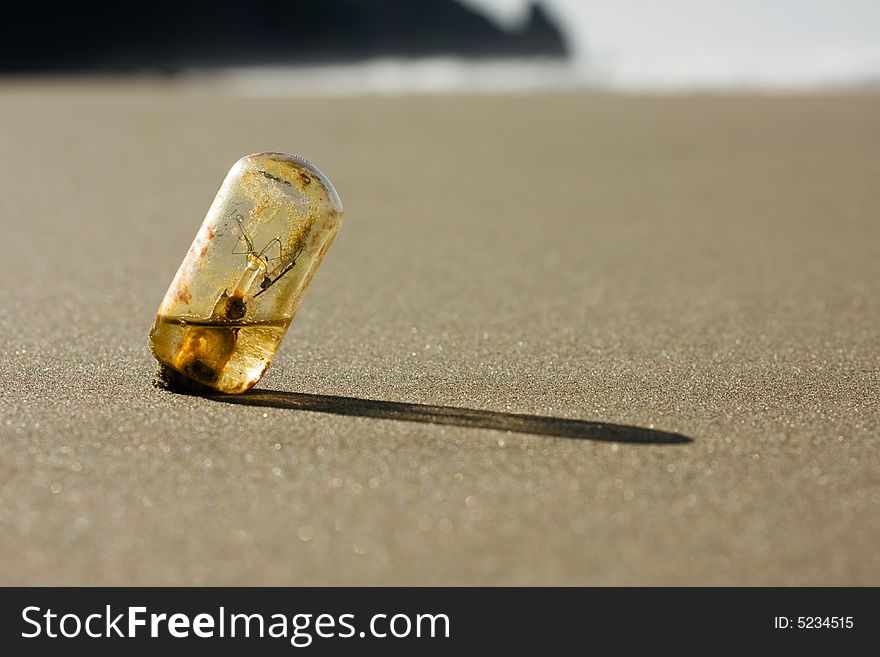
x: 170, y: 35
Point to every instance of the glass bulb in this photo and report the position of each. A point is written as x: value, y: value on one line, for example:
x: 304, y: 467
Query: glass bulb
x: 246, y: 272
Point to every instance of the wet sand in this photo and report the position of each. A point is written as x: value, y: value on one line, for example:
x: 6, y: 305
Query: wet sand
x: 705, y: 266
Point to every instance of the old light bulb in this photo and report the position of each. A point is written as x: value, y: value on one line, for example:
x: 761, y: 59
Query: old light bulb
x: 246, y: 272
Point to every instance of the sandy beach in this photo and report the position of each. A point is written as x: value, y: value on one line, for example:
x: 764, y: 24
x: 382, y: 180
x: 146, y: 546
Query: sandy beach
x: 706, y: 266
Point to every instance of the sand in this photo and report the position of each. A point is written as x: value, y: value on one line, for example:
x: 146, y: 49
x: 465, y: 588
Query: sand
x: 705, y: 266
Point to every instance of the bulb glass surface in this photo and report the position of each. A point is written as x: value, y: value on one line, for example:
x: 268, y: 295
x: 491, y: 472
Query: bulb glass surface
x: 246, y: 272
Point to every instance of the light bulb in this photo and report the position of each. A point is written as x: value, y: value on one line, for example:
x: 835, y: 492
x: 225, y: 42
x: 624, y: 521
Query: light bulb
x: 243, y: 278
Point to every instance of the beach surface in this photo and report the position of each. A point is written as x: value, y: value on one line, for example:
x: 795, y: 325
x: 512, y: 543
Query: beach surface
x: 706, y: 266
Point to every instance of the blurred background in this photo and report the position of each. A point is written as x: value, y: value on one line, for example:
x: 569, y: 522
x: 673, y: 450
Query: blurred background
x: 393, y: 46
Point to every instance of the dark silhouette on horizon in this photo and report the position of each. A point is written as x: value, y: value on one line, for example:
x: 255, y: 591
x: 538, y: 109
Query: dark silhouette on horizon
x: 171, y: 36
